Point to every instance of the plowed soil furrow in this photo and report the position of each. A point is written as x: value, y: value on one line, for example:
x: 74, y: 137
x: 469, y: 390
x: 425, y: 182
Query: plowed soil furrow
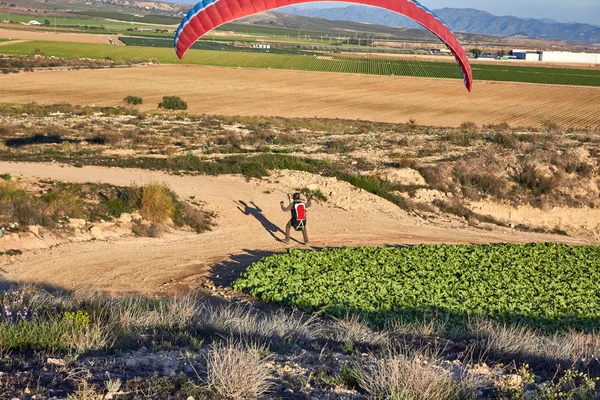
x: 230, y: 91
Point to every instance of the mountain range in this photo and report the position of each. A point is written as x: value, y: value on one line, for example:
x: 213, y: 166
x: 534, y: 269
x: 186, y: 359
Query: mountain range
x: 463, y: 20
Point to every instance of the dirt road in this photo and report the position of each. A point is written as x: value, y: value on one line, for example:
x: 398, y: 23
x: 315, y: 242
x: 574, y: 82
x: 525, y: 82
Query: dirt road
x: 231, y: 91
x: 248, y: 226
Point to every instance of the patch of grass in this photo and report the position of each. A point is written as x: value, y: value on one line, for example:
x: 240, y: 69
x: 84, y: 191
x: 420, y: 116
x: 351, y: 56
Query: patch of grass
x: 63, y: 202
x: 506, y: 140
x: 412, y: 376
x: 238, y: 371
x: 10, y: 190
x: 5, y: 177
x: 157, y: 203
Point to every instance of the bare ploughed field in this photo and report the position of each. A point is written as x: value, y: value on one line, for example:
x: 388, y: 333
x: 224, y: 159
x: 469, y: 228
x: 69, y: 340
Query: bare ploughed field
x: 22, y: 34
x: 253, y: 92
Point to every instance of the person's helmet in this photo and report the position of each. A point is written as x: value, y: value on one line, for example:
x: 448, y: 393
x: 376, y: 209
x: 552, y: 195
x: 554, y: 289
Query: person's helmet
x: 296, y: 196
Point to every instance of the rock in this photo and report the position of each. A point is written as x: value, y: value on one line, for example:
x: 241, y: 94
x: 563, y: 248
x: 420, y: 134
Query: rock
x: 75, y: 223
x: 313, y: 187
x: 125, y: 218
x: 96, y: 233
x: 190, y: 398
x: 56, y: 361
x: 136, y: 216
x: 35, y: 229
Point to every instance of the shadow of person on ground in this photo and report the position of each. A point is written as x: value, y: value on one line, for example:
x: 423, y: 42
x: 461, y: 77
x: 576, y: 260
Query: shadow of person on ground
x: 257, y: 213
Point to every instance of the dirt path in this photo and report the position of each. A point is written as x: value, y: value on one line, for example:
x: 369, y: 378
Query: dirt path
x: 13, y: 42
x: 296, y: 94
x: 141, y: 265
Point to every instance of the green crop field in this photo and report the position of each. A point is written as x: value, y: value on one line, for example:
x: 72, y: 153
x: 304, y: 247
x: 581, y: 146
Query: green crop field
x: 120, y: 16
x: 205, y: 45
x: 78, y: 22
x: 343, y: 64
x: 549, y: 286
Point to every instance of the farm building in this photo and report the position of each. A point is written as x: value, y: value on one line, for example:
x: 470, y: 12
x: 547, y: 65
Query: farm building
x: 526, y: 55
x: 568, y: 57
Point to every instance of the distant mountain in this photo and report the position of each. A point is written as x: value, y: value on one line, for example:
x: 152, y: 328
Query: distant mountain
x: 463, y: 20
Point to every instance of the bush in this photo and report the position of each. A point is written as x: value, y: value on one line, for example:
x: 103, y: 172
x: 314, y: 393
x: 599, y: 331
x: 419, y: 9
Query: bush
x: 153, y: 230
x: 505, y: 140
x: 172, y: 103
x: 236, y: 371
x: 133, y: 100
x: 531, y: 178
x: 157, y: 203
x: 65, y: 203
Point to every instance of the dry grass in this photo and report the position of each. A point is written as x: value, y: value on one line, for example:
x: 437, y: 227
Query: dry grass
x: 241, y: 321
x: 10, y: 190
x: 157, y: 203
x: 352, y: 329
x: 139, y: 313
x: 92, y: 337
x: 66, y: 203
x: 236, y: 371
x: 408, y: 377
x: 517, y: 342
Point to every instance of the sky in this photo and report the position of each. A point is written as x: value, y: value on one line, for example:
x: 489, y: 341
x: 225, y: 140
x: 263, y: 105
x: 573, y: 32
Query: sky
x: 559, y: 10
x: 587, y: 11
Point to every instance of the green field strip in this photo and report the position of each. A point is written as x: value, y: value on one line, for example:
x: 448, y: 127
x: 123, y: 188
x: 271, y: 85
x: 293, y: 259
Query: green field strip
x: 429, y: 69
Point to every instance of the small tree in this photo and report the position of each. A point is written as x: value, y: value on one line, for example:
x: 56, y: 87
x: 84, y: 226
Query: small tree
x: 133, y: 100
x: 172, y: 103
x: 476, y: 52
x: 46, y: 22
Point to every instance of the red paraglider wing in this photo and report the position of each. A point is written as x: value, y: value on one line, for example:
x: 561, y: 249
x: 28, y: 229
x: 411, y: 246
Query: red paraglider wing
x: 209, y: 14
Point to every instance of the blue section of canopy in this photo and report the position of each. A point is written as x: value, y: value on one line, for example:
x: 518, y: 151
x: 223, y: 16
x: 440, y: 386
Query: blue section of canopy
x: 197, y: 9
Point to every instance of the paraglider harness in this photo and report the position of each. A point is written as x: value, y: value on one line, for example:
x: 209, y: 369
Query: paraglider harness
x: 298, y: 215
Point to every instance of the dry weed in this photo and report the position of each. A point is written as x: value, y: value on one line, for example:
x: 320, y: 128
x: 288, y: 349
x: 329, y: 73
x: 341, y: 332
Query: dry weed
x: 352, y: 329
x: 241, y: 321
x: 516, y: 342
x: 91, y: 337
x: 399, y: 376
x: 237, y: 371
x: 157, y: 204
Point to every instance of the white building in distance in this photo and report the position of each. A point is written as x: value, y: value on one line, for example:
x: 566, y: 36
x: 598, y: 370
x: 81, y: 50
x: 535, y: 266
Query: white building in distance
x: 568, y: 57
x: 34, y: 22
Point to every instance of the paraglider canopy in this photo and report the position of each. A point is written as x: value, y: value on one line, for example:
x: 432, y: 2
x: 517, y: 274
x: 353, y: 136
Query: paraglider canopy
x: 209, y: 14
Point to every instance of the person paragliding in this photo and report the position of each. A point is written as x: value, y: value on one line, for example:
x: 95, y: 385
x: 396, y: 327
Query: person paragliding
x: 298, y: 221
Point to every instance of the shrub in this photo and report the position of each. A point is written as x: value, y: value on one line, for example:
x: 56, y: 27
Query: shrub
x: 133, y: 100
x: 200, y: 221
x: 237, y: 372
x: 157, y: 203
x: 153, y: 230
x: 10, y: 190
x: 172, y: 103
x: 532, y: 179
x: 65, y: 203
x: 462, y: 139
x: 408, y: 377
x: 505, y: 140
